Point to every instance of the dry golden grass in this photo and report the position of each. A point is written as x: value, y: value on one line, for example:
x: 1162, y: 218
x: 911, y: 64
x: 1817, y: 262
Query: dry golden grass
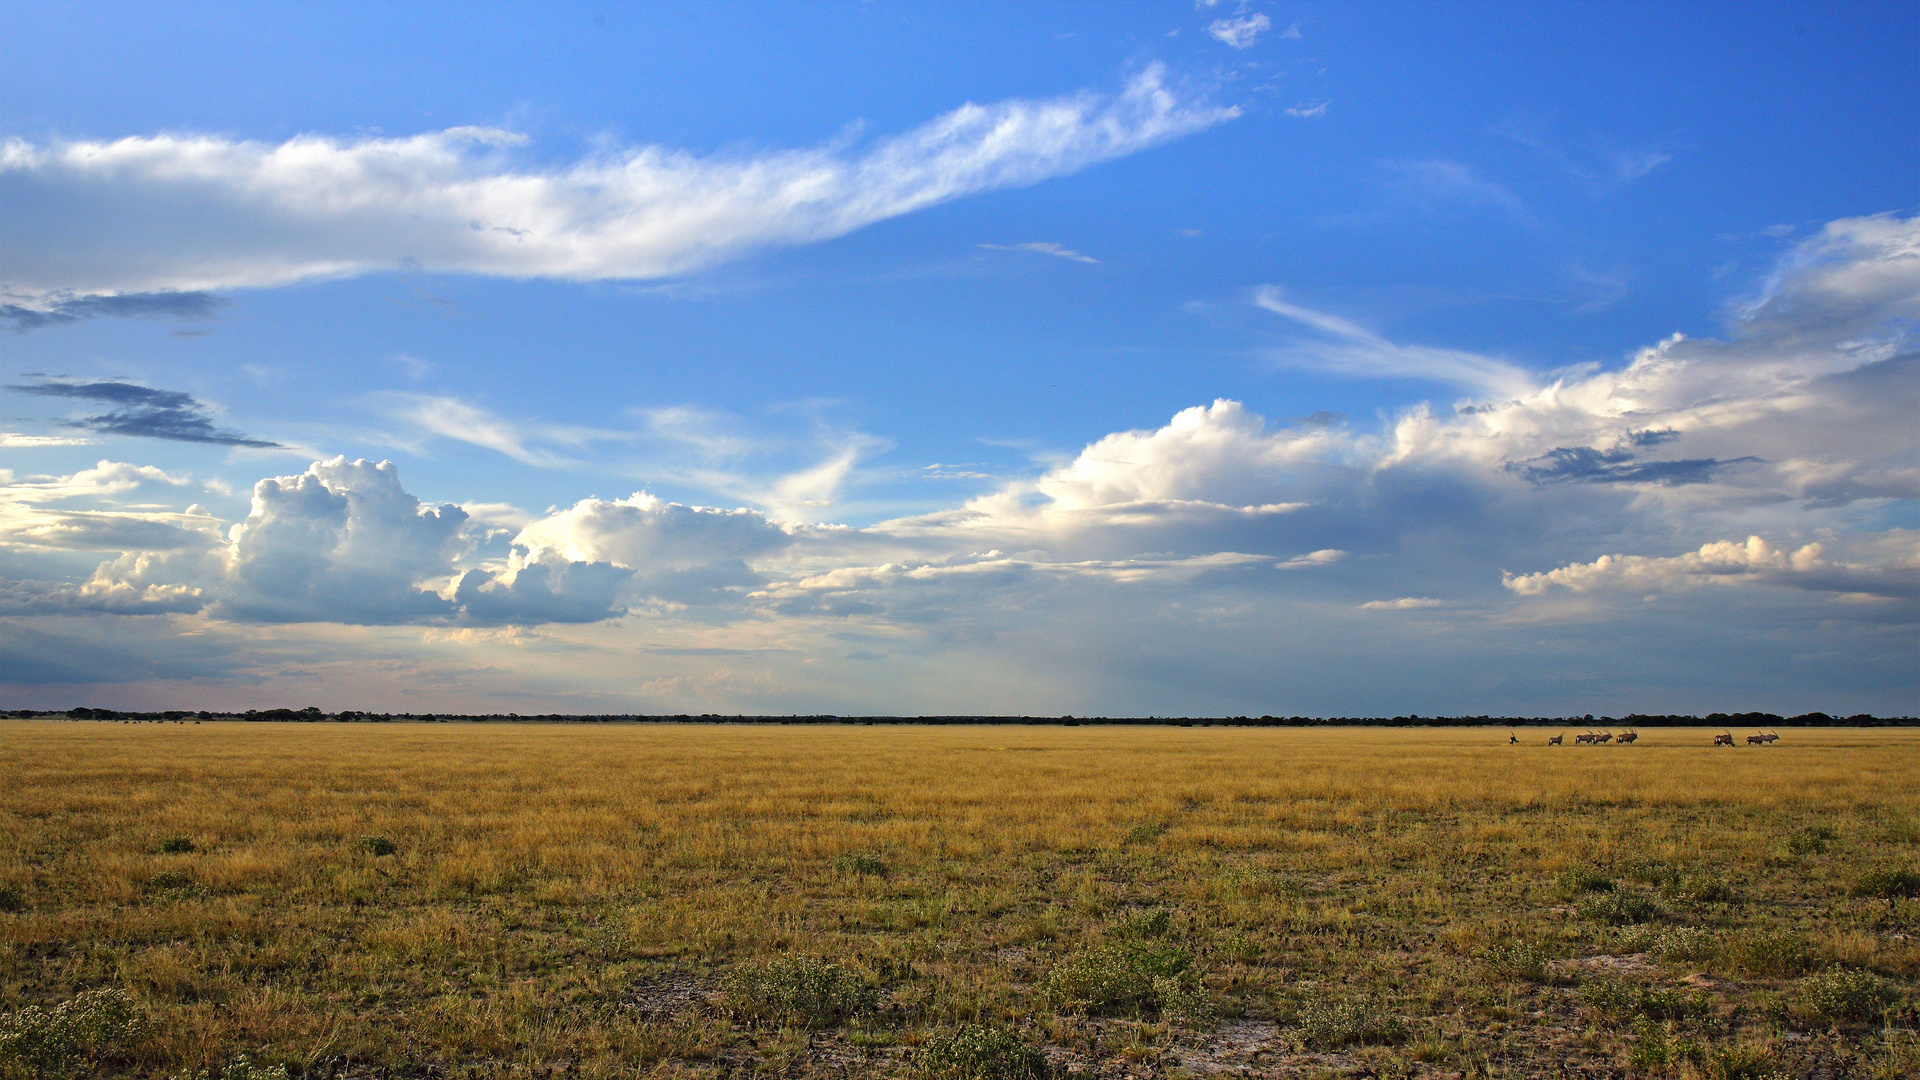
x: 577, y: 896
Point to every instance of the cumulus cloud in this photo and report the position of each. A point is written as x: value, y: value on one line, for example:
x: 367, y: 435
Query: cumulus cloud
x: 143, y: 411
x: 84, y: 219
x: 1214, y: 547
x: 1892, y: 571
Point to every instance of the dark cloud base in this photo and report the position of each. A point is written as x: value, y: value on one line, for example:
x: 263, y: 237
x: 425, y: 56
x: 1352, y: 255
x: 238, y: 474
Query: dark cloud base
x: 143, y: 412
x: 152, y: 305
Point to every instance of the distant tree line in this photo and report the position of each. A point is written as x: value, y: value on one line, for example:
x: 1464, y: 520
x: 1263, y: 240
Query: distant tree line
x: 312, y: 714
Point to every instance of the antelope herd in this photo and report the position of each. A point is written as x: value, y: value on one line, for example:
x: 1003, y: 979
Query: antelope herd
x: 1628, y: 738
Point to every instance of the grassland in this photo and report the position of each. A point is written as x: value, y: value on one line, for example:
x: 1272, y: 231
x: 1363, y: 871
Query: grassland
x: 477, y: 900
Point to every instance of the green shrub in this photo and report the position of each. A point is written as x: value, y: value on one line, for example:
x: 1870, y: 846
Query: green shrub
x: 1621, y: 907
x: 1131, y: 977
x: 1888, y: 883
x: 1842, y: 993
x: 70, y: 1038
x: 1651, y: 872
x: 799, y: 991
x: 1150, y: 922
x: 1670, y: 943
x: 11, y: 899
x: 1332, y: 1024
x: 982, y: 1053
x: 1771, y: 954
x: 1519, y: 960
x: 859, y: 862
x: 1701, y: 888
x: 1811, y: 841
x: 1145, y: 834
x: 378, y: 845
x: 1617, y: 998
x: 176, y: 845
x: 1585, y: 879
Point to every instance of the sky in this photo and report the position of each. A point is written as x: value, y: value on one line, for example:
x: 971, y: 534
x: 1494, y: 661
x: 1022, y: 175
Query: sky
x: 913, y: 358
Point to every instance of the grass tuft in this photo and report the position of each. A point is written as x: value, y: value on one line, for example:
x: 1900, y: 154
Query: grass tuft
x: 378, y: 846
x: 1519, y: 960
x: 177, y: 845
x: 861, y: 863
x: 1622, y: 907
x: 12, y: 899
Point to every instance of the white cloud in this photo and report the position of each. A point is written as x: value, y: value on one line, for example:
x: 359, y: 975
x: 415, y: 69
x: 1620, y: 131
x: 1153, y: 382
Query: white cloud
x: 1350, y: 349
x: 1405, y: 603
x: 1216, y: 557
x: 1044, y: 248
x: 1241, y: 31
x: 1308, y: 109
x: 1892, y: 570
x: 199, y: 212
x: 15, y: 441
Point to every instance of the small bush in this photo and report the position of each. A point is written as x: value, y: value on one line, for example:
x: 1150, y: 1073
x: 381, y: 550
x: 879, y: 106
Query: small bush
x: 1888, y: 883
x: 1675, y: 943
x: 799, y: 991
x: 1519, y: 960
x: 378, y: 845
x: 1584, y: 880
x: 1145, y: 834
x: 241, y: 1068
x: 1128, y: 978
x: 1651, y: 872
x: 1841, y: 993
x: 11, y: 899
x: 982, y: 1053
x: 1151, y: 922
x: 1811, y: 841
x: 859, y: 862
x: 1617, y: 998
x: 1334, y: 1024
x: 1771, y: 954
x: 70, y: 1038
x: 1703, y: 888
x: 177, y: 845
x: 1621, y: 907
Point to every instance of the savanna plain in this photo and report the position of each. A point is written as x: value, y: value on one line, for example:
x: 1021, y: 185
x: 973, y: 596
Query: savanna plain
x: 243, y: 901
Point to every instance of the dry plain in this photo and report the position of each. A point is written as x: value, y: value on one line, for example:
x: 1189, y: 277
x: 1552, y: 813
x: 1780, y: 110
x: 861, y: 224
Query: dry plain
x: 692, y: 900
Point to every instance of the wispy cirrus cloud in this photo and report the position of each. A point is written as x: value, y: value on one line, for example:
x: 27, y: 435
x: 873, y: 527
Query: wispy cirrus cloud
x: 1351, y: 349
x: 81, y: 219
x: 1044, y: 248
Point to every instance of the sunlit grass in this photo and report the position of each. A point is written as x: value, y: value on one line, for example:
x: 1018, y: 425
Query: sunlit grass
x: 475, y: 896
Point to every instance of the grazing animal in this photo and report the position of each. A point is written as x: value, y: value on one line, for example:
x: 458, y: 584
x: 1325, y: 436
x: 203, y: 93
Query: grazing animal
x: 1723, y: 740
x: 1627, y: 738
x: 1512, y: 739
x: 1558, y: 740
x: 1587, y: 738
x: 1603, y: 737
x: 1771, y: 737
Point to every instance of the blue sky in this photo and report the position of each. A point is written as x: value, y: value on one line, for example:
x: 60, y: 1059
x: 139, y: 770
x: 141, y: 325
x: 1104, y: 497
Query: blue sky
x: 1149, y: 358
